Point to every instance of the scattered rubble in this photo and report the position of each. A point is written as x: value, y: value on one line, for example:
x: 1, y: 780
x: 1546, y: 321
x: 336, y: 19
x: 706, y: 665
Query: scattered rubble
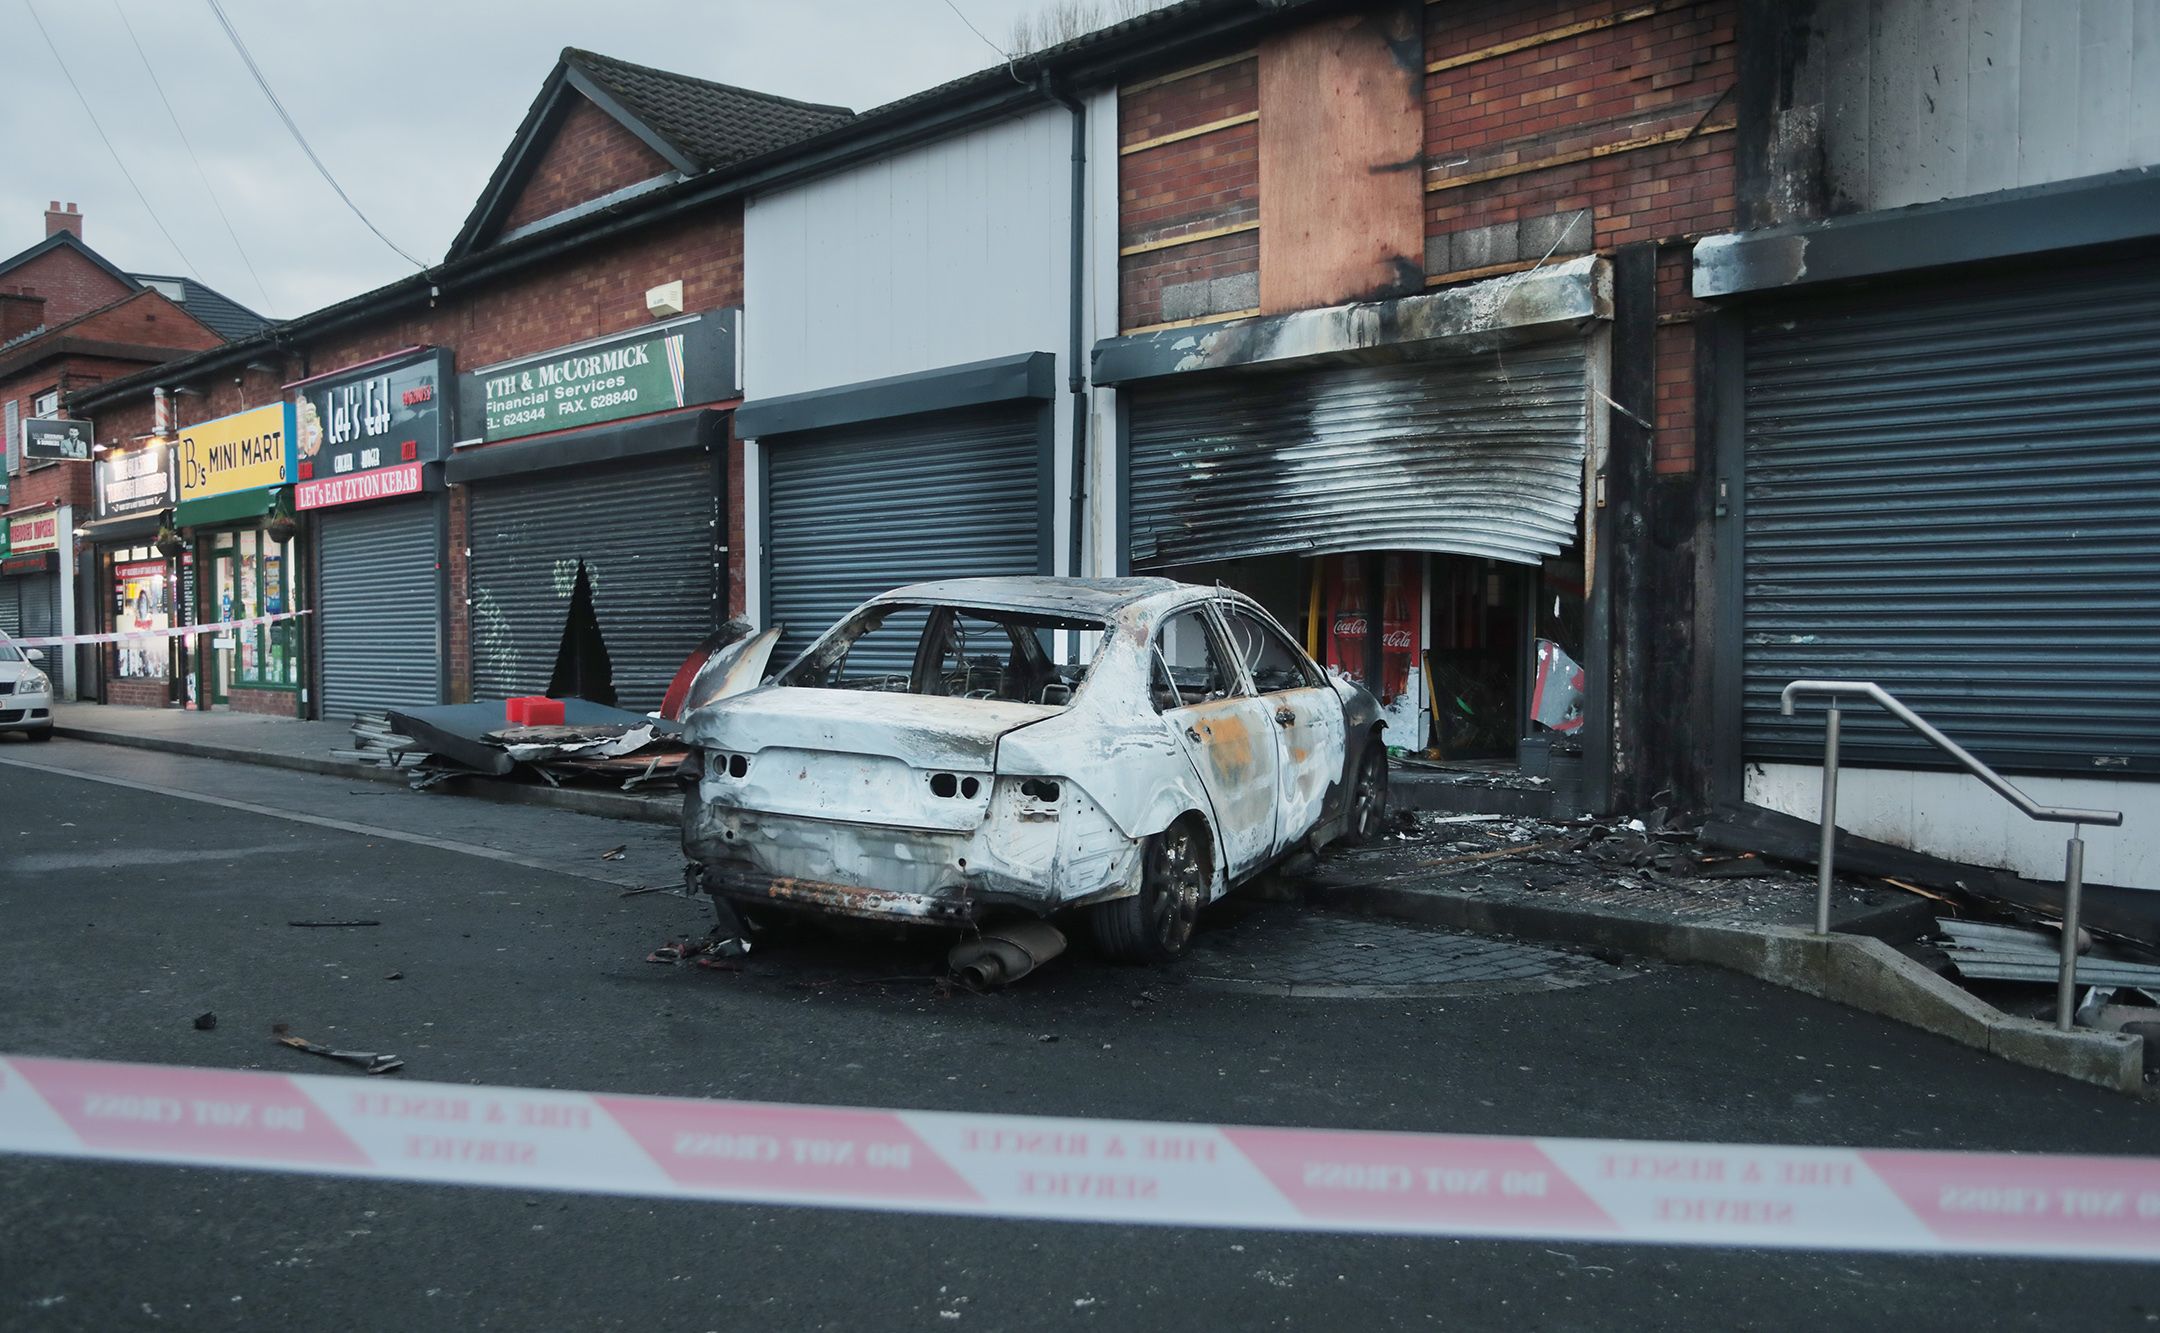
x: 205, y: 1021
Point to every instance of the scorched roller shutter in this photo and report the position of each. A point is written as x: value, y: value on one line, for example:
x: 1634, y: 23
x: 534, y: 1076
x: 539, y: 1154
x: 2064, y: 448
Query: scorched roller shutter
x: 1953, y: 490
x: 649, y: 534
x: 379, y: 591
x: 858, y: 510
x: 1479, y: 456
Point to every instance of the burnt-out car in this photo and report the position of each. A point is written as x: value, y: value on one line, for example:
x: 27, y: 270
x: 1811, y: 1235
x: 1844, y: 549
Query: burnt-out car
x: 952, y: 753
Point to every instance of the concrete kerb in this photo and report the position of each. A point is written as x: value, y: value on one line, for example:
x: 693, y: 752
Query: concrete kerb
x: 609, y: 805
x: 1854, y: 970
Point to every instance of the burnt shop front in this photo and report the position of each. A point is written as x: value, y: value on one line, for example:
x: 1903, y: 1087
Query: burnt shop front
x: 606, y: 459
x: 369, y: 449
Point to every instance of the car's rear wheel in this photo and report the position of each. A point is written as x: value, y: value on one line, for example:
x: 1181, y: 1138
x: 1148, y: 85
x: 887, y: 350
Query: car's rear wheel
x: 1368, y: 796
x: 1156, y: 924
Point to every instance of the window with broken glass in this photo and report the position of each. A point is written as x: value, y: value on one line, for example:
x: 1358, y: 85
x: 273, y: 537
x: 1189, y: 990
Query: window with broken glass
x: 946, y: 651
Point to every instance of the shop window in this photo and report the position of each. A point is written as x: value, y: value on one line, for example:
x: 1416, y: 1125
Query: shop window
x: 255, y: 578
x: 142, y: 603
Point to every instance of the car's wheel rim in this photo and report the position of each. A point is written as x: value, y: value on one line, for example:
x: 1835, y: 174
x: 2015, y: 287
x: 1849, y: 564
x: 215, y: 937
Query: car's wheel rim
x: 1371, y: 793
x: 1180, y: 888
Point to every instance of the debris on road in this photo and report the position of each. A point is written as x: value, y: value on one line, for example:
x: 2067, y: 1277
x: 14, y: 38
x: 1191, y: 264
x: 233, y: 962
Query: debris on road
x: 616, y: 852
x: 1004, y: 953
x: 368, y: 1061
x: 394, y: 976
x: 205, y: 1021
x: 712, y: 949
x: 331, y: 925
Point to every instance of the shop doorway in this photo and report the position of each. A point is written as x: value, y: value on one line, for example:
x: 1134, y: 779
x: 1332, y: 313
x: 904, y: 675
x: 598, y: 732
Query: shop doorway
x: 225, y: 565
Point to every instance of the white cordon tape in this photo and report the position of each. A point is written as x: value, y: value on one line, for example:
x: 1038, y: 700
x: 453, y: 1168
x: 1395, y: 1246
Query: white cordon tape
x: 130, y: 636
x: 1086, y: 1170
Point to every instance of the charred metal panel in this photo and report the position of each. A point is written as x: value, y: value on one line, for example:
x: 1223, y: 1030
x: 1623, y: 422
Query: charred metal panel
x: 1533, y: 306
x: 1954, y: 490
x: 1478, y: 455
x: 648, y: 534
x: 853, y: 511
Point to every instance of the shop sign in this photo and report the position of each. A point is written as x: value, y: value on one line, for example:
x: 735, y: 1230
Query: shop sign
x: 57, y: 437
x: 381, y: 483
x: 32, y: 533
x: 383, y: 417
x: 246, y: 451
x: 134, y: 481
x: 651, y: 370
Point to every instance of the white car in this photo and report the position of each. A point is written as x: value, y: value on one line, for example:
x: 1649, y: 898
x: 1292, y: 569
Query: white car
x: 25, y: 691
x: 929, y: 760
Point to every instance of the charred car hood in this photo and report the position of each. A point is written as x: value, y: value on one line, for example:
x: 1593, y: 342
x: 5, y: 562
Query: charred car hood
x: 921, y: 731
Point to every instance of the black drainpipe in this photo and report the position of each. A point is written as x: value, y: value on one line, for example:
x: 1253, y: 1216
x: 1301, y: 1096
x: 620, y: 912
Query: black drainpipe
x: 1075, y: 379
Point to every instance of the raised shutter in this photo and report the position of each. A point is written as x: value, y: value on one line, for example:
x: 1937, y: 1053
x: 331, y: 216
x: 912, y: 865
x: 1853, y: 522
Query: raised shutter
x: 1953, y: 490
x: 854, y: 512
x: 648, y: 533
x: 1479, y: 456
x: 379, y: 597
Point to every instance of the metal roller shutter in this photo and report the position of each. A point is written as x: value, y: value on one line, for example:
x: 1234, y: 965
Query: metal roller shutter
x: 854, y: 512
x: 1481, y: 456
x: 40, y: 595
x: 11, y: 608
x: 1954, y: 491
x: 648, y: 533
x: 379, y: 606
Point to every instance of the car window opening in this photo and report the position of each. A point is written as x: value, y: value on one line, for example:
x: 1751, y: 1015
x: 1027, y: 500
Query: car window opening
x: 948, y: 651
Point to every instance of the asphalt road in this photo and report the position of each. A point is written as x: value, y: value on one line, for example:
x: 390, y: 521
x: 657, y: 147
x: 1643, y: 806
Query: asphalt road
x: 125, y: 911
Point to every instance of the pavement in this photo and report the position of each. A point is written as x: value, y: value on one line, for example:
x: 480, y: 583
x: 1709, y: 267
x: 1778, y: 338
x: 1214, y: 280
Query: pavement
x: 141, y: 890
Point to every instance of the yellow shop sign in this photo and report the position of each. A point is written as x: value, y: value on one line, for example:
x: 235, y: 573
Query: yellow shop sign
x: 243, y: 452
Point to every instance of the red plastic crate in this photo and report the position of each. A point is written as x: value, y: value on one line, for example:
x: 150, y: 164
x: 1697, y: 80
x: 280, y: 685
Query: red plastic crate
x: 533, y: 711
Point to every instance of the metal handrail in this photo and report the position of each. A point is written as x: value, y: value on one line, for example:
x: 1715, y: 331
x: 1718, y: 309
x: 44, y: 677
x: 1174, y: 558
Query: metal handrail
x: 2073, y: 852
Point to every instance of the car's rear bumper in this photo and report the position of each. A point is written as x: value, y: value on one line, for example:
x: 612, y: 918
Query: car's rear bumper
x: 903, y: 876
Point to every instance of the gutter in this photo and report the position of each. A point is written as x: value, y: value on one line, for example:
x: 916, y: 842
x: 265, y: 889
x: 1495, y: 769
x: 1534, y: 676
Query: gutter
x: 1076, y: 382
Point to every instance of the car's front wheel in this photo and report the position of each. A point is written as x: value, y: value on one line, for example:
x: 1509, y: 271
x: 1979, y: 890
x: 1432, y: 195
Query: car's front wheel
x: 42, y: 734
x: 1156, y: 924
x: 1368, y: 797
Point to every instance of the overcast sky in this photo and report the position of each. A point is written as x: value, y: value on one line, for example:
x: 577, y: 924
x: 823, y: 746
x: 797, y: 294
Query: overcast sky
x: 410, y: 103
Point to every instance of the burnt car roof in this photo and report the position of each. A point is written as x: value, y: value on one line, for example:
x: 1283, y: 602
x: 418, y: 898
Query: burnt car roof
x: 1100, y: 598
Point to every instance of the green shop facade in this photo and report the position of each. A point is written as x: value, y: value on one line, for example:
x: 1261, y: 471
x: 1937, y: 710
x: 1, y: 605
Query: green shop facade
x: 236, y: 516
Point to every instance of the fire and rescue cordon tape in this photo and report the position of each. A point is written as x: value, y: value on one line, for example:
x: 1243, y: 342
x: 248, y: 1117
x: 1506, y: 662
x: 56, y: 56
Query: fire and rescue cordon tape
x: 1086, y: 1170
x: 172, y: 632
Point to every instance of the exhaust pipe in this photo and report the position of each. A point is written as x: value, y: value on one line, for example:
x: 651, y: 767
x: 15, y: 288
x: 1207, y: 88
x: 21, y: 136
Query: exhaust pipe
x: 1005, y: 953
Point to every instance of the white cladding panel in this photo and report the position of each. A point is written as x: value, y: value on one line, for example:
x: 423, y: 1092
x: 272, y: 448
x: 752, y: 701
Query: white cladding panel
x: 1951, y: 815
x: 1924, y: 100
x: 941, y: 255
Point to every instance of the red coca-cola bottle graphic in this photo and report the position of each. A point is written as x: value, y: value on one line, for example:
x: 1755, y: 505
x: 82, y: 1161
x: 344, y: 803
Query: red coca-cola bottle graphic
x: 1398, y: 627
x: 1347, y: 627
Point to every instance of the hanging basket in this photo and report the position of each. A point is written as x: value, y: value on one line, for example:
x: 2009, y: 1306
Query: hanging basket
x: 168, y: 542
x: 283, y: 523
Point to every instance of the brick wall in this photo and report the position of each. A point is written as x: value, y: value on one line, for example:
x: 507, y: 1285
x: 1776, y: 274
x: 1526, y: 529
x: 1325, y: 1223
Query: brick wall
x: 70, y: 284
x: 1189, y: 186
x: 590, y: 155
x: 135, y: 692
x: 1604, y: 137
